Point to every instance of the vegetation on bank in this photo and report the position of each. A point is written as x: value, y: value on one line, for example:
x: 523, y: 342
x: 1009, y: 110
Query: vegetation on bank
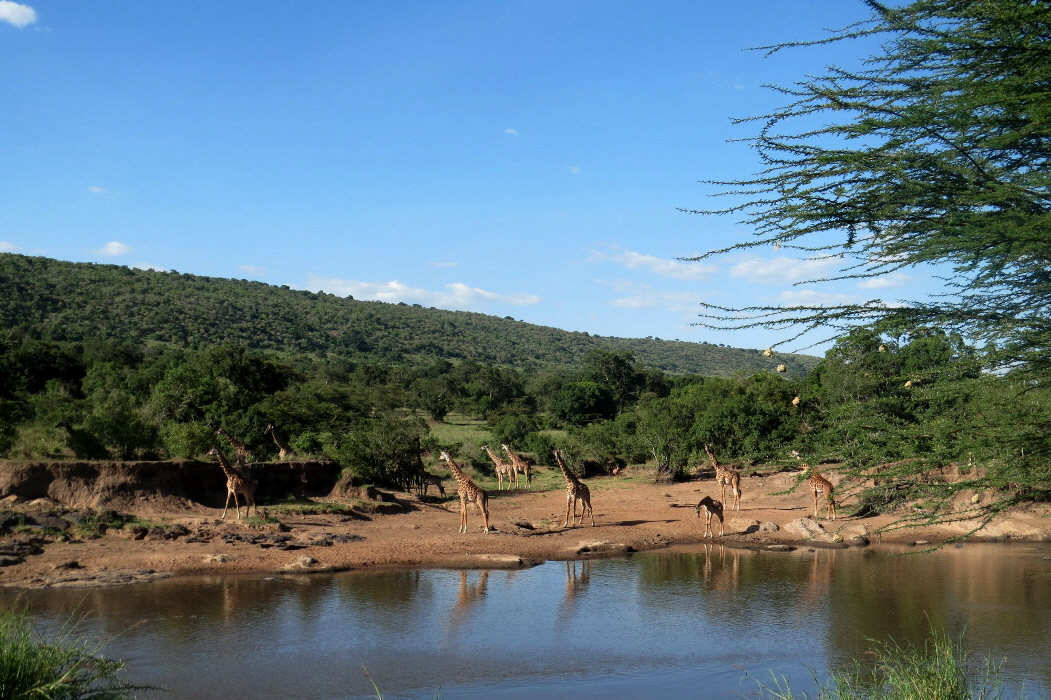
x: 64, y: 666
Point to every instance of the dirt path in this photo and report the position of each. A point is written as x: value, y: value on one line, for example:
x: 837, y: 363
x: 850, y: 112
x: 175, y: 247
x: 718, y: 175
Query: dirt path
x: 630, y: 515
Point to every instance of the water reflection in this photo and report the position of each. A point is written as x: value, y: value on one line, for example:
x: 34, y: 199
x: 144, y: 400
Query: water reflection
x: 654, y: 625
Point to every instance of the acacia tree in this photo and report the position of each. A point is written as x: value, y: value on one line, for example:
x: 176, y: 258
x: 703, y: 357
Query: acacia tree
x: 935, y: 151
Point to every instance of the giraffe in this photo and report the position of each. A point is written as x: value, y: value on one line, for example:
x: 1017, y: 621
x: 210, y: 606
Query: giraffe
x: 724, y: 476
x: 576, y: 490
x: 503, y: 469
x: 819, y: 484
x: 236, y: 483
x: 469, y: 493
x: 283, y: 450
x: 711, y: 507
x: 424, y: 479
x: 520, y: 466
x: 244, y: 455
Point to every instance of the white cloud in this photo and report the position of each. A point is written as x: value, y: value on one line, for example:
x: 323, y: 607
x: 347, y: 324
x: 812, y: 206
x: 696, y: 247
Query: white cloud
x: 458, y: 296
x: 894, y: 279
x: 6, y: 247
x: 574, y: 169
x: 783, y: 270
x: 147, y: 266
x: 18, y: 15
x: 671, y: 301
x: 659, y: 266
x: 513, y: 132
x: 113, y: 249
x: 97, y: 190
x: 253, y: 270
x: 444, y: 264
x: 811, y: 297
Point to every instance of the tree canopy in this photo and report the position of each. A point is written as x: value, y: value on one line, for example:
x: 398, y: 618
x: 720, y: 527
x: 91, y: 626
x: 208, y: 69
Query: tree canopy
x: 935, y: 151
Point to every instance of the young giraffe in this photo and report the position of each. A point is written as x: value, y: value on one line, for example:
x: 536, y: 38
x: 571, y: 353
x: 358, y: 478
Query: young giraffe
x: 520, y: 466
x: 819, y: 484
x: 236, y: 483
x: 469, y: 493
x: 711, y: 507
x: 575, y: 491
x: 283, y: 450
x: 503, y: 469
x: 244, y: 455
x: 425, y: 479
x: 724, y: 476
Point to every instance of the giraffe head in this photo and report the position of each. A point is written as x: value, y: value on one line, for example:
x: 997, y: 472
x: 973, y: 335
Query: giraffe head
x: 269, y: 429
x: 444, y: 455
x: 506, y: 448
x: 214, y: 452
x: 219, y: 431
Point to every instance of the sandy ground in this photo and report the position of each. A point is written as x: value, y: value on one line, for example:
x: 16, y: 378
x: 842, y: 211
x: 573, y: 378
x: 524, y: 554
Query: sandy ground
x: 629, y: 515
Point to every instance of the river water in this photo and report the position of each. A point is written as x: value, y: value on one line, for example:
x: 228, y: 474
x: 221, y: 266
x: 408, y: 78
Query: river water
x: 691, y: 622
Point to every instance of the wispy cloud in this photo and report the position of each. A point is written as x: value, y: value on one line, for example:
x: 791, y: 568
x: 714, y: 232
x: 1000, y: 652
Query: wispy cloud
x: 457, y: 296
x: 252, y: 270
x: 574, y: 169
x: 513, y: 132
x: 654, y: 299
x: 812, y: 297
x: 6, y: 247
x: 894, y: 279
x: 663, y: 267
x: 783, y: 270
x: 444, y: 264
x: 16, y: 14
x: 148, y: 266
x: 113, y: 249
x: 97, y: 190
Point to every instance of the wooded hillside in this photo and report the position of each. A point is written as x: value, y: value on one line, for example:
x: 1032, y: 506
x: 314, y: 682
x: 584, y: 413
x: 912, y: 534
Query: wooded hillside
x: 63, y: 301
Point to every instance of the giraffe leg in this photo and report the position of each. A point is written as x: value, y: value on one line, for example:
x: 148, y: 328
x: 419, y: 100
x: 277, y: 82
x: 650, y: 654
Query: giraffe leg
x: 483, y: 505
x: 815, y: 503
x: 237, y: 507
x: 226, y: 505
x: 570, y: 503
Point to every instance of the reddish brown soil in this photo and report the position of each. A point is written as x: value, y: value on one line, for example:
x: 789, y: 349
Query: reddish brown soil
x: 633, y: 514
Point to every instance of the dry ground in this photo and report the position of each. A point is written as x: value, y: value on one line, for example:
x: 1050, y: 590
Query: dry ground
x: 631, y: 514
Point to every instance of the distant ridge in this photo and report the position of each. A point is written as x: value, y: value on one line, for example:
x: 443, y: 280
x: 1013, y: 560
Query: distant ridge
x: 65, y: 301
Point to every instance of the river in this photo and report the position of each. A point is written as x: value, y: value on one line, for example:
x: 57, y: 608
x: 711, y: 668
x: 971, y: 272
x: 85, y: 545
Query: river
x: 690, y: 622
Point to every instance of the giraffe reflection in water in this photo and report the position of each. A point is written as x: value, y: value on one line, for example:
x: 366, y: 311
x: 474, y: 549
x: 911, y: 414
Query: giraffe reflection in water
x: 576, y: 585
x: 468, y: 598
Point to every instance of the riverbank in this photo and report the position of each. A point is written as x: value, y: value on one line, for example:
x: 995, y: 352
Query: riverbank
x: 404, y: 531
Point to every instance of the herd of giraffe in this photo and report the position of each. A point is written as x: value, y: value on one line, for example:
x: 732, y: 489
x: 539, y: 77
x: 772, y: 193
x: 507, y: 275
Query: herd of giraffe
x: 239, y: 482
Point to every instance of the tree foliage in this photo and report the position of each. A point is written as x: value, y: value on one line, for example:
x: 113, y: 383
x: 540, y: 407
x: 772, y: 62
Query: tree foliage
x: 936, y: 151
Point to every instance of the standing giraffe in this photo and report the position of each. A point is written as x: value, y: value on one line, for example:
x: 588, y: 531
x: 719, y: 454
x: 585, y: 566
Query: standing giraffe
x: 283, y: 450
x: 520, y: 466
x: 725, y: 476
x: 244, y: 455
x: 236, y: 483
x: 576, y: 490
x: 711, y: 507
x: 503, y: 469
x: 819, y: 484
x: 469, y: 493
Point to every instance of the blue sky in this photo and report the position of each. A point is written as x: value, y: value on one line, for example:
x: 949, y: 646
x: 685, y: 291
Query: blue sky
x: 522, y: 159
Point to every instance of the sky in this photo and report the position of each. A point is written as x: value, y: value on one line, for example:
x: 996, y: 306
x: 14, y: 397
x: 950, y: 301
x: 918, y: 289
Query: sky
x: 517, y: 158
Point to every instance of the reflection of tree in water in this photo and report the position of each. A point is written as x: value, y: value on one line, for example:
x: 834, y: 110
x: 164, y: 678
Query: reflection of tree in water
x: 576, y: 583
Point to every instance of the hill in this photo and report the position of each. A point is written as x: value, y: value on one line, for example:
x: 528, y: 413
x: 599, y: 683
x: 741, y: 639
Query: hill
x: 64, y: 301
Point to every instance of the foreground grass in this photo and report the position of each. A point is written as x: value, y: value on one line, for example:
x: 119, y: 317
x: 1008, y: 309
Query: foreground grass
x: 67, y: 668
x: 939, y: 671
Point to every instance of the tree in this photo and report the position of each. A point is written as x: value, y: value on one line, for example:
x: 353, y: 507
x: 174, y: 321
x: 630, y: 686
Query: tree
x: 936, y: 151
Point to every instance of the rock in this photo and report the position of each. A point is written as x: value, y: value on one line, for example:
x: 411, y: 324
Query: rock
x: 7, y: 560
x: 523, y: 524
x: 216, y: 559
x: 67, y: 565
x: 156, y: 533
x: 11, y: 500
x: 768, y: 527
x: 138, y: 532
x: 860, y: 541
x: 50, y: 522
x: 752, y: 528
x: 919, y: 542
x: 301, y: 563
x: 175, y: 532
x: 805, y: 527
x: 779, y: 548
x: 606, y: 548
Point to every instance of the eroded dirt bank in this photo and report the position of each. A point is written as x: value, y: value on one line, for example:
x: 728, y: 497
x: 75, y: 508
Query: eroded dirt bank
x: 181, y: 536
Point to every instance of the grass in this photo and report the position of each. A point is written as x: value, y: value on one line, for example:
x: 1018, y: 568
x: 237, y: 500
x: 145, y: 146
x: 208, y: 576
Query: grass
x: 66, y: 668
x: 940, y: 670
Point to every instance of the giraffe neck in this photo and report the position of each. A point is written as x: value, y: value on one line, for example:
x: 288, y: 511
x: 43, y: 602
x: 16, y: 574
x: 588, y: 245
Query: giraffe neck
x: 460, y: 477
x: 225, y: 466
